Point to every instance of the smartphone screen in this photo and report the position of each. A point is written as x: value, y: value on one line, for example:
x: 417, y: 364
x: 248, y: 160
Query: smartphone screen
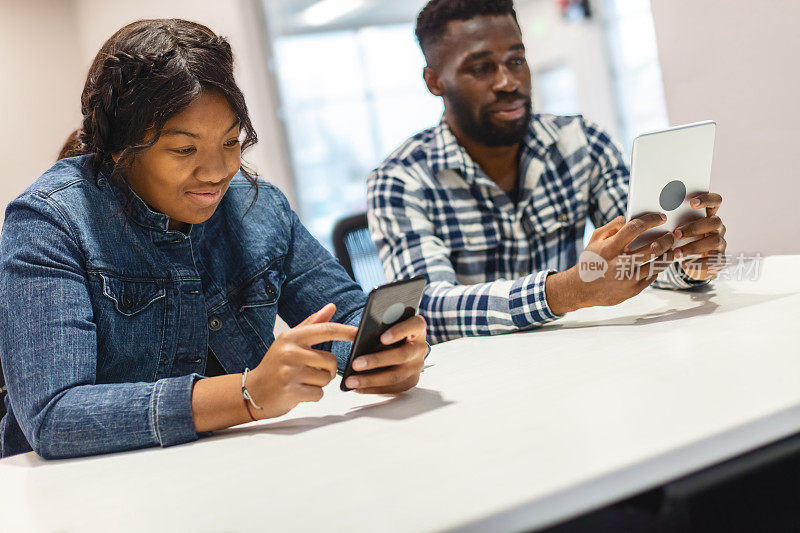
x: 386, y: 306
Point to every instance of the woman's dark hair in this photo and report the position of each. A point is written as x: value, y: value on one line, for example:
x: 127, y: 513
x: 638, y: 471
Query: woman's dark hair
x: 146, y: 73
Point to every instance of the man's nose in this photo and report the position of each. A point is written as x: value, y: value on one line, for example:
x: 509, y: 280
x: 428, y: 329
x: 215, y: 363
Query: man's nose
x: 504, y: 81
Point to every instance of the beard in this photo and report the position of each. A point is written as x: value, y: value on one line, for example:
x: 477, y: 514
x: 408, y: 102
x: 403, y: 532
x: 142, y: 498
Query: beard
x: 480, y: 128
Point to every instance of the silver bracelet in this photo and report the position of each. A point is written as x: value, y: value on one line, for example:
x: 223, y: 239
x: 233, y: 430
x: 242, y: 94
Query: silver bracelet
x: 246, y: 394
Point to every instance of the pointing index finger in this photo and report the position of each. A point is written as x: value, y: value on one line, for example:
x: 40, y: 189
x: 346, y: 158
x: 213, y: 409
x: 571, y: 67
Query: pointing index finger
x: 311, y: 334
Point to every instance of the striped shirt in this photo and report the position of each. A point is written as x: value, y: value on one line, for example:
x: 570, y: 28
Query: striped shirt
x: 433, y: 211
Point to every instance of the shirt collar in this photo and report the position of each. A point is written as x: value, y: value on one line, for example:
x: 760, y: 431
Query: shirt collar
x: 447, y: 154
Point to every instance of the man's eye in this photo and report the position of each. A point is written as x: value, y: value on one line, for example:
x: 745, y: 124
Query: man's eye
x: 481, y: 70
x: 517, y: 61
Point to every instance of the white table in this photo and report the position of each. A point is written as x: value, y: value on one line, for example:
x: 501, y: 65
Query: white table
x: 503, y: 433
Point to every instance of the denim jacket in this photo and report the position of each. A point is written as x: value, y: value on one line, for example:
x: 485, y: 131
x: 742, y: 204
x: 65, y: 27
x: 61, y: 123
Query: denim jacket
x: 107, y: 316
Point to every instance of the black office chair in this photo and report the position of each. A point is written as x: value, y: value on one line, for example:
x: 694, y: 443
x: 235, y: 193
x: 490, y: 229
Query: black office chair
x: 356, y: 252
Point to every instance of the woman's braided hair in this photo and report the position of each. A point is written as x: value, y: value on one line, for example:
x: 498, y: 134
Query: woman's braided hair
x: 147, y: 72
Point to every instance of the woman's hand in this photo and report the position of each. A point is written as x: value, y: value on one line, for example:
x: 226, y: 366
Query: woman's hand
x: 399, y: 367
x: 293, y: 372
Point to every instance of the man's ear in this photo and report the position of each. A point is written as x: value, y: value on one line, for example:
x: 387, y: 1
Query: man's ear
x: 433, y: 81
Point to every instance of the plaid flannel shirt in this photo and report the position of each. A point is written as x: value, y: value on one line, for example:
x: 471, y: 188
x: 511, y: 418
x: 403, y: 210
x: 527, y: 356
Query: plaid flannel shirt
x: 433, y: 211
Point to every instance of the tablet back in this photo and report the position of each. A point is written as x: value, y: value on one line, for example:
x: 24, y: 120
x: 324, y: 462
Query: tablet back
x: 668, y: 168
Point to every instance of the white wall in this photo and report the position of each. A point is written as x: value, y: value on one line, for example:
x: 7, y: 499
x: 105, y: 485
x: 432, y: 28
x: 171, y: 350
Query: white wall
x: 550, y: 41
x: 41, y: 78
x: 735, y: 61
x: 48, y: 45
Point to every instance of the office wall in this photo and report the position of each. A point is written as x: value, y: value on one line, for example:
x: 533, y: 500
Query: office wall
x: 735, y: 61
x: 48, y: 45
x: 41, y: 77
x: 550, y: 41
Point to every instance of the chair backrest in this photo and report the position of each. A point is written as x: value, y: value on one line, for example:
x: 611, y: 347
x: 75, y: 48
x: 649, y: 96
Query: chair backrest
x: 357, y: 253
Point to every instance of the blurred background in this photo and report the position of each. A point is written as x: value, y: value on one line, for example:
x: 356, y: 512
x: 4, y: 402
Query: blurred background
x: 335, y: 85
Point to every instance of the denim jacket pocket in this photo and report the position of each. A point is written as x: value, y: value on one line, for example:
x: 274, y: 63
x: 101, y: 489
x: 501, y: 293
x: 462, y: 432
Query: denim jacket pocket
x: 255, y: 305
x: 131, y: 297
x: 262, y: 290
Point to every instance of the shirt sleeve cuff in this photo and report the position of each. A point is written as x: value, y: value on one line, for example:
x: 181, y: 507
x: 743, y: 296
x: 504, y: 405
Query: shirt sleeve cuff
x: 676, y: 278
x: 527, y: 301
x: 173, y: 422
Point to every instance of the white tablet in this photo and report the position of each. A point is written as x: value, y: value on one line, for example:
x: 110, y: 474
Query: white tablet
x: 668, y: 168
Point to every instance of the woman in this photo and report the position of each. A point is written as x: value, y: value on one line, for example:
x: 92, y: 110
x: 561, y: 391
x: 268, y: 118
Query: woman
x: 148, y: 260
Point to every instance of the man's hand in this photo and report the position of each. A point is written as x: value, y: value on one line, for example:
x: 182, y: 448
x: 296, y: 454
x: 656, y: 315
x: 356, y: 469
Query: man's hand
x: 705, y: 257
x: 624, y: 273
x: 399, y: 367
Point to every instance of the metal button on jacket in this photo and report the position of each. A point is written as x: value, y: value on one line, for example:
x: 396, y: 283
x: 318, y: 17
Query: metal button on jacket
x: 272, y: 292
x: 214, y: 323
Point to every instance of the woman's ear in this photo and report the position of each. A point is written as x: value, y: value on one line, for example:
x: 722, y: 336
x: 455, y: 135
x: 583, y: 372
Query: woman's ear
x: 115, y: 157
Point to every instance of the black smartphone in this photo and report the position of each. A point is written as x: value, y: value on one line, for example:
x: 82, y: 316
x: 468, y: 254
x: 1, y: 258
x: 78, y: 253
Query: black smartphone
x: 386, y: 306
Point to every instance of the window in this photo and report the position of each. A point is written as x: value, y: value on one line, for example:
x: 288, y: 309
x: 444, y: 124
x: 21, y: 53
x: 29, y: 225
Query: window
x: 352, y: 91
x: 350, y: 97
x: 635, y: 68
x: 557, y: 90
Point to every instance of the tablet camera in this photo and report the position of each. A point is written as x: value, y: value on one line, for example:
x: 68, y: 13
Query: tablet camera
x: 672, y: 195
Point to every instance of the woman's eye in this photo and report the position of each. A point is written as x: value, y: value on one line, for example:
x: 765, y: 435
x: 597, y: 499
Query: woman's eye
x: 232, y: 142
x: 184, y: 151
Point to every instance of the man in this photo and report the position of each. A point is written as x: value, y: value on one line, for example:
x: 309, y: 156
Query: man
x: 491, y: 204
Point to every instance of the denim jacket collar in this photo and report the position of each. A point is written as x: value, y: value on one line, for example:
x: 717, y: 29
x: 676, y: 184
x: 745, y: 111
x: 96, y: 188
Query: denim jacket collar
x: 136, y: 208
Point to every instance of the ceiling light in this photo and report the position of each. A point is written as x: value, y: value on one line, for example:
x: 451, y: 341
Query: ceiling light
x: 327, y: 11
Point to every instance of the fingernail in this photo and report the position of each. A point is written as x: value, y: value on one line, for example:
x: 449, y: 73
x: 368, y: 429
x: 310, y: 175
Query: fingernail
x: 359, y: 364
x: 678, y: 252
x: 695, y: 202
x: 352, y: 383
x: 678, y: 234
x: 386, y: 338
x: 663, y: 216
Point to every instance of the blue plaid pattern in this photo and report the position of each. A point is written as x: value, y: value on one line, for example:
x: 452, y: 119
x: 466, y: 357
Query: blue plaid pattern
x: 433, y: 211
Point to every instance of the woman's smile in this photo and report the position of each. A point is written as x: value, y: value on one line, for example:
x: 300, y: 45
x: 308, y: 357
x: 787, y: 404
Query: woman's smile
x: 206, y: 198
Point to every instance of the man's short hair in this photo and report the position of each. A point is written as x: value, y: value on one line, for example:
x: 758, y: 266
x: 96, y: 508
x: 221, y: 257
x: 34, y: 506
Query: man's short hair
x: 432, y: 20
